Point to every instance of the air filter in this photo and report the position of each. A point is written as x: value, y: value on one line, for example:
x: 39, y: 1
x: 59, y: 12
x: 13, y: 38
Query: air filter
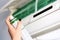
x: 29, y: 9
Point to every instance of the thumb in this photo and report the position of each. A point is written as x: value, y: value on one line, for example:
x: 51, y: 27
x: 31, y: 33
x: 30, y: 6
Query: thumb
x: 10, y: 27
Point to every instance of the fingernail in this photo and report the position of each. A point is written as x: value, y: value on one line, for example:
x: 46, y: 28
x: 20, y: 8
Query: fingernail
x: 19, y: 19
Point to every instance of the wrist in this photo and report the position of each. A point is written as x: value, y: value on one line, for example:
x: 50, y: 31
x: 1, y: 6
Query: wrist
x: 16, y: 38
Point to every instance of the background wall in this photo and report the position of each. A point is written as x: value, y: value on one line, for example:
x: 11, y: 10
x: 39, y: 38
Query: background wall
x: 3, y: 2
x: 4, y: 35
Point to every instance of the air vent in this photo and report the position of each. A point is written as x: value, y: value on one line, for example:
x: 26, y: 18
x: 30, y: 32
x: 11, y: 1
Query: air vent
x: 43, y: 11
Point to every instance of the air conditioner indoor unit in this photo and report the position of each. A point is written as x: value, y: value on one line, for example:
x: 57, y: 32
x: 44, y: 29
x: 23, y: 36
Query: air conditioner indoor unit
x: 38, y: 16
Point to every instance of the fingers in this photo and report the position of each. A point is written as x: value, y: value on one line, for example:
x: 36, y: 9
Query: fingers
x: 19, y: 28
x: 8, y: 23
x: 19, y: 25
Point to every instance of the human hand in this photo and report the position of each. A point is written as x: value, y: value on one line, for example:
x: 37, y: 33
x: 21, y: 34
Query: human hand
x: 15, y: 33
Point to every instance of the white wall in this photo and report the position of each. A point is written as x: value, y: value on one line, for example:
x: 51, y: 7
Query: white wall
x: 3, y: 27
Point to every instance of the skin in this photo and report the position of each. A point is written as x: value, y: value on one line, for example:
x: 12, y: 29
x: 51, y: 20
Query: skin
x: 15, y: 33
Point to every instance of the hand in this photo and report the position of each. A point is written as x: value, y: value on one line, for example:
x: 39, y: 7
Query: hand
x: 15, y: 33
